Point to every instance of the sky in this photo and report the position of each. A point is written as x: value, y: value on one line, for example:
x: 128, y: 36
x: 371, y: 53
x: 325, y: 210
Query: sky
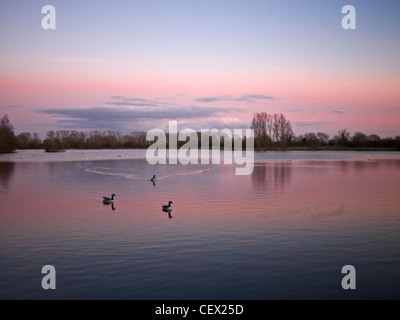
x: 134, y: 65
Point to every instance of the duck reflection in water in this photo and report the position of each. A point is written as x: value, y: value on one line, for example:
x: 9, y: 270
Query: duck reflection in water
x: 167, y: 208
x: 107, y: 204
x: 169, y: 215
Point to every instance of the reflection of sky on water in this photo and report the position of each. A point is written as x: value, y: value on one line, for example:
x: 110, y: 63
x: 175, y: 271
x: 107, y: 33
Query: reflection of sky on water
x: 283, y: 232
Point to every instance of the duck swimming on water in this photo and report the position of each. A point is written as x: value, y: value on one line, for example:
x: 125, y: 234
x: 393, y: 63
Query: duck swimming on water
x: 109, y: 200
x: 167, y: 207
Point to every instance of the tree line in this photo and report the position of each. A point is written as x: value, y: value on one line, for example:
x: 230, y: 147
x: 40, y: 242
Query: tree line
x: 68, y: 139
x: 271, y: 132
x: 274, y: 132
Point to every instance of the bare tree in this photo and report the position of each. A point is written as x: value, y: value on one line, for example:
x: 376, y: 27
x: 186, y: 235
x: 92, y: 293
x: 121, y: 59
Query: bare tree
x: 262, y: 124
x: 258, y: 124
x: 286, y: 131
x: 282, y: 130
x: 359, y: 139
x: 311, y: 140
x: 323, y: 138
x: 36, y: 142
x: 24, y: 139
x: 275, y: 127
x: 373, y: 140
x: 343, y: 137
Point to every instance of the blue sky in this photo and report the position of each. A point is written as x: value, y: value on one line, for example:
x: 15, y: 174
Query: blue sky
x: 186, y: 51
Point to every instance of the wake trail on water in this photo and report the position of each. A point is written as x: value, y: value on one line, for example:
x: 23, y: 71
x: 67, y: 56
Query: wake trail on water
x: 106, y: 171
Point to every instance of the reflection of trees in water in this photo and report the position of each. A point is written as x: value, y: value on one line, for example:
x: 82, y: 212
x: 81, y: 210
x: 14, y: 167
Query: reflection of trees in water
x: 271, y: 175
x: 368, y: 165
x: 277, y: 176
x: 6, y: 172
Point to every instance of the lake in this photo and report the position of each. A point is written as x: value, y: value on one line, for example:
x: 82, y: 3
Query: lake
x: 283, y: 232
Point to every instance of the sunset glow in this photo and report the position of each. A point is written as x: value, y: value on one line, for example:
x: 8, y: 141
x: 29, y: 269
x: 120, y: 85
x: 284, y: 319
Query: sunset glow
x: 223, y: 59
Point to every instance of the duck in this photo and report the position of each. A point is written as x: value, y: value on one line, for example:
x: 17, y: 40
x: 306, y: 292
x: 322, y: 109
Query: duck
x: 167, y: 207
x: 109, y: 200
x: 153, y: 179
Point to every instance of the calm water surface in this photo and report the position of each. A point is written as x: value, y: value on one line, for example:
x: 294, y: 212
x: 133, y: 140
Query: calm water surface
x: 283, y: 232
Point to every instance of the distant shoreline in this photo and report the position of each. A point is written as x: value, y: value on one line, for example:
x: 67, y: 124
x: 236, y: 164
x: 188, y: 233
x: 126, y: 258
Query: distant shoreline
x: 325, y: 148
x: 329, y: 148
